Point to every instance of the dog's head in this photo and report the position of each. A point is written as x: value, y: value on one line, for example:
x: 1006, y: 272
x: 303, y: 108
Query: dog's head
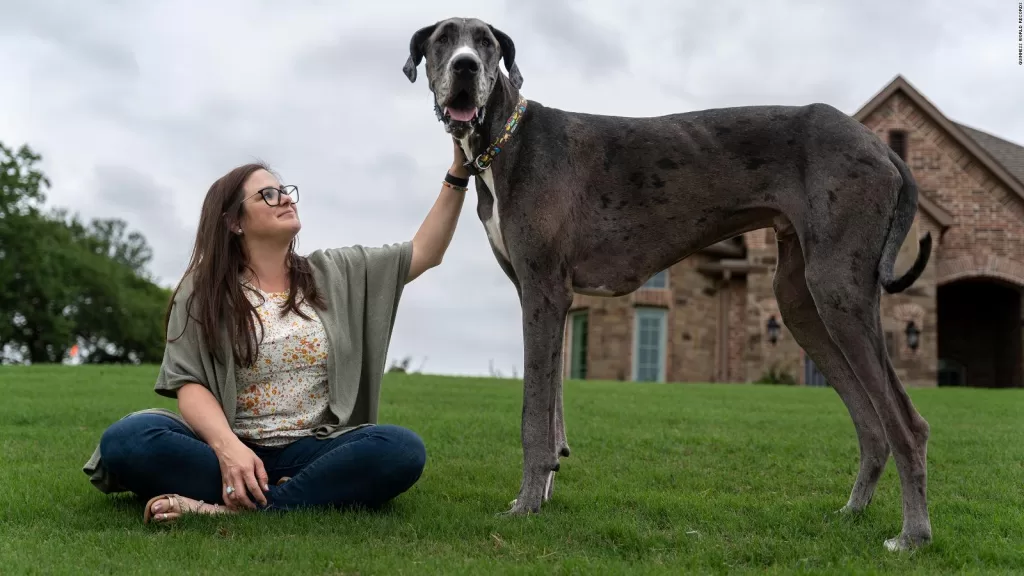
x: 462, y: 56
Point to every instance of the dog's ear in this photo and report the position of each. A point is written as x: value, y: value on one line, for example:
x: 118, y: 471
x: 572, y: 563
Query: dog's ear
x: 508, y: 54
x: 416, y: 51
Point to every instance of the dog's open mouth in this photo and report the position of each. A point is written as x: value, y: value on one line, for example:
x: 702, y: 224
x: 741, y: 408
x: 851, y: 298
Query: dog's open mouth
x: 461, y: 108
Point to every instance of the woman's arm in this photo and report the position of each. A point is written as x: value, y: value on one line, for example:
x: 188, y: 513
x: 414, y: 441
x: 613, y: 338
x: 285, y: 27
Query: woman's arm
x: 239, y: 465
x: 204, y: 414
x: 435, y: 234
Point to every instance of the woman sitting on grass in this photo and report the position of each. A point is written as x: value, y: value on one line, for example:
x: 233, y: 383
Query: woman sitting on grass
x: 276, y: 361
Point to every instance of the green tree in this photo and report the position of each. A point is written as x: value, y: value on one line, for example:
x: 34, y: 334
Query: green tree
x: 63, y: 282
x: 110, y: 237
x: 34, y: 255
x: 118, y: 314
x: 21, y: 184
x: 36, y: 285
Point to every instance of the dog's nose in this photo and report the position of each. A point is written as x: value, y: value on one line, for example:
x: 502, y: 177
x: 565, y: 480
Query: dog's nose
x: 465, y: 65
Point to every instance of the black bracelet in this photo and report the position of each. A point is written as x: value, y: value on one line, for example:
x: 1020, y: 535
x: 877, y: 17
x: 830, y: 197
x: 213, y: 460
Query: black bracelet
x: 456, y: 181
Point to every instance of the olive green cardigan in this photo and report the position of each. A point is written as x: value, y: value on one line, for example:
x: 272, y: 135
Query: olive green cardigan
x: 362, y: 287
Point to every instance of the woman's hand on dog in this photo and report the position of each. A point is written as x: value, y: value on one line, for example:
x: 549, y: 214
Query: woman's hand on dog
x: 458, y: 163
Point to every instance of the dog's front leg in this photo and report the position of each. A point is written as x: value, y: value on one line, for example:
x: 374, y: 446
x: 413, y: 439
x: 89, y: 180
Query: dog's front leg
x: 544, y: 312
x: 561, y: 441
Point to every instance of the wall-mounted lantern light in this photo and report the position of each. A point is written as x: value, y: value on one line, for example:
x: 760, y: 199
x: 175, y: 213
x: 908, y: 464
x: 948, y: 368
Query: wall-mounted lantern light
x: 773, y: 329
x: 913, y: 335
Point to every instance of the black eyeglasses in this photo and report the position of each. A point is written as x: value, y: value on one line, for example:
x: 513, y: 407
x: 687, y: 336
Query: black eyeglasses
x: 272, y: 196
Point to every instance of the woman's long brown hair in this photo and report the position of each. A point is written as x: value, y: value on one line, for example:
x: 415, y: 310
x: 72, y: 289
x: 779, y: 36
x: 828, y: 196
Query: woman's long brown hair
x: 217, y: 264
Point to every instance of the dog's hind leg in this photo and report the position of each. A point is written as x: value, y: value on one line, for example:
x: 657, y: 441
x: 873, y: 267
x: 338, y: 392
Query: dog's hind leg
x: 843, y: 280
x: 545, y: 307
x: 801, y: 318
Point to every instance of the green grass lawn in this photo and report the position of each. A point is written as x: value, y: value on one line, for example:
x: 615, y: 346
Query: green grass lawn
x: 663, y: 479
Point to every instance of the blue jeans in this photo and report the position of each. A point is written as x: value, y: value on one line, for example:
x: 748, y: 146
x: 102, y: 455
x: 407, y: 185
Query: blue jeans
x: 151, y: 454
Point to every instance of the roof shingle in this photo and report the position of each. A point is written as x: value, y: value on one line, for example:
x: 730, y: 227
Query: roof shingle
x: 1010, y: 155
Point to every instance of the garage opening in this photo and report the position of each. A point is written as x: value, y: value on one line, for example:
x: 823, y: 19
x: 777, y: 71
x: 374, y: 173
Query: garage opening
x: 979, y: 323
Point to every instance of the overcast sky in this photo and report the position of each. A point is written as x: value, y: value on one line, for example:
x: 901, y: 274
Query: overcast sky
x: 138, y: 106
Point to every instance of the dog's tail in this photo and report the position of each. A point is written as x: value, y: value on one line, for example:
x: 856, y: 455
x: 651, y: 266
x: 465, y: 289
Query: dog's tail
x: 902, y: 222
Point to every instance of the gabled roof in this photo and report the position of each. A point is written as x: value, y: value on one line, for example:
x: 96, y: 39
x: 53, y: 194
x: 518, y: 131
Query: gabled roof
x: 1004, y: 159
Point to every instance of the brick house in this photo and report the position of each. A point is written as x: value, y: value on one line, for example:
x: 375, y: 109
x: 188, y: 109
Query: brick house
x: 711, y: 317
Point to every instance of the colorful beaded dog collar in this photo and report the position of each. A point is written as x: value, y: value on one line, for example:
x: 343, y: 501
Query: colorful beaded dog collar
x: 484, y: 159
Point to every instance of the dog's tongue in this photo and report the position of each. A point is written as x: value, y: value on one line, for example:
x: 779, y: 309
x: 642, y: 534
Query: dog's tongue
x: 461, y: 115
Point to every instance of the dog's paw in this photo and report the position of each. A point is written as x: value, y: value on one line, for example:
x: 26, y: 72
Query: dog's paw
x: 904, y: 543
x: 849, y: 511
x: 516, y: 508
x: 896, y: 545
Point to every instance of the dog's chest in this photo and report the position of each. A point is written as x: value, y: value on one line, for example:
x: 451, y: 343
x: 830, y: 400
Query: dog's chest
x: 492, y: 225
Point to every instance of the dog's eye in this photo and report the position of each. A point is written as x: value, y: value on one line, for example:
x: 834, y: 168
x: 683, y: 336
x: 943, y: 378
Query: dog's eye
x: 485, y: 42
x: 442, y: 38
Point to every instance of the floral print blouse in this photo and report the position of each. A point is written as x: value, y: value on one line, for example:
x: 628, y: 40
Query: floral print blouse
x: 283, y: 396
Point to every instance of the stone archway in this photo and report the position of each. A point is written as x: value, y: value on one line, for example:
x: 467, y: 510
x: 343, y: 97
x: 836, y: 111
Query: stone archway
x: 979, y: 332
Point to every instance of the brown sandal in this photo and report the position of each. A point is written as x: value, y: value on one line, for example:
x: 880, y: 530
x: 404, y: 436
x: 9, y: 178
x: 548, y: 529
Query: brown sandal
x: 148, y: 515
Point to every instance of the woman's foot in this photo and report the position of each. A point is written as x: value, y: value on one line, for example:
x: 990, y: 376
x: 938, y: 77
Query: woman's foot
x: 170, y: 507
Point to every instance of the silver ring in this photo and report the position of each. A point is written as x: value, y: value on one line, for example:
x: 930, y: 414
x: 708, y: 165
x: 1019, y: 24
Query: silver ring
x: 229, y: 489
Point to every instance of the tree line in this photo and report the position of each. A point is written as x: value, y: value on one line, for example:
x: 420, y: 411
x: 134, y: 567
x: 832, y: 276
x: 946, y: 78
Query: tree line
x: 68, y: 284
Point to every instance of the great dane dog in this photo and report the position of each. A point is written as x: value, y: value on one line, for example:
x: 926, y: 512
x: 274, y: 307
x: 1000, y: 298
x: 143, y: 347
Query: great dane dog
x: 597, y: 204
